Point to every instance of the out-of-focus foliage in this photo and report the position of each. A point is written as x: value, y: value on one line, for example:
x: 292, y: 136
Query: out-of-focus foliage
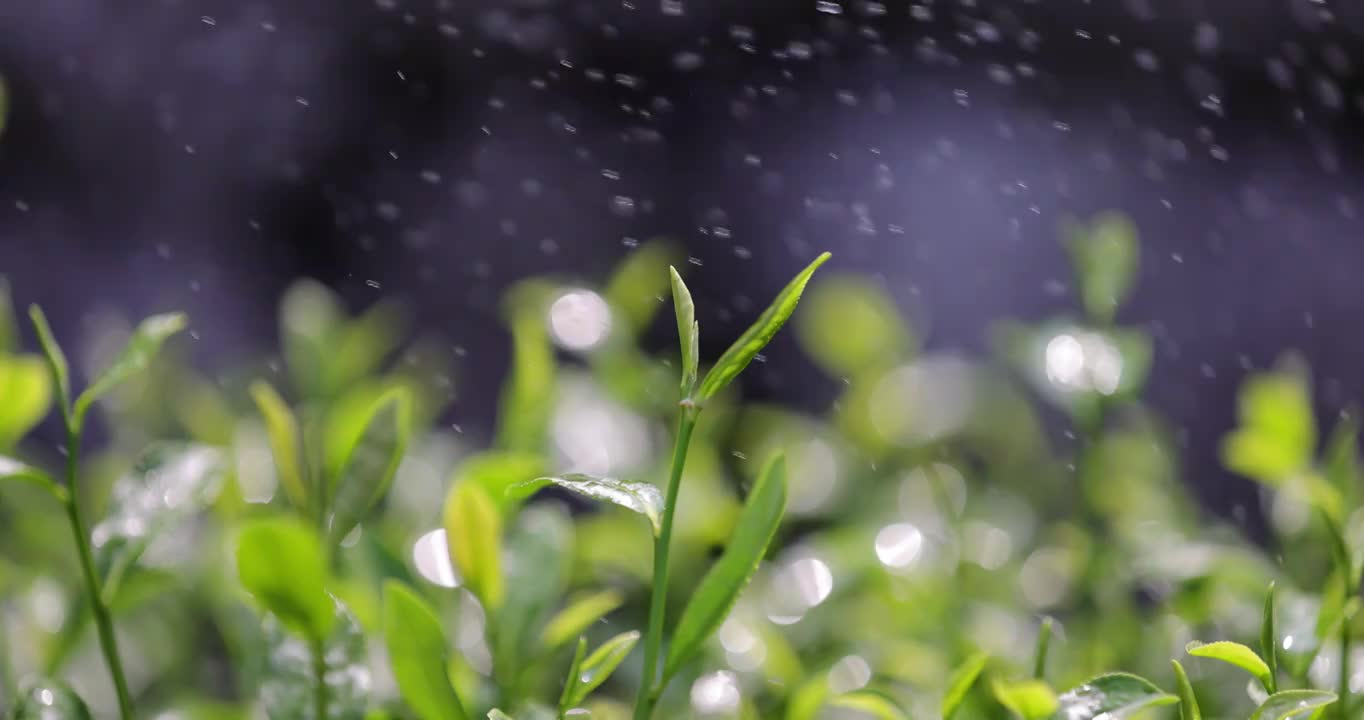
x: 310, y: 506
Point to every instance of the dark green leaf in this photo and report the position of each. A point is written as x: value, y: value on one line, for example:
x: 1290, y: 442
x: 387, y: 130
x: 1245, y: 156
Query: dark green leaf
x: 961, y: 681
x: 643, y: 498
x: 599, y: 665
x: 56, y: 359
x: 687, y: 331
x: 48, y: 700
x: 371, y: 460
x: 1269, y: 642
x: 1026, y: 699
x: 578, y: 616
x: 170, y: 483
x: 720, y: 588
x: 136, y: 356
x: 473, y: 529
x: 1236, y: 654
x: 280, y: 562
x: 1112, y: 697
x: 737, y: 357
x: 286, y: 443
x: 1292, y: 704
x: 1188, y: 702
x: 417, y: 652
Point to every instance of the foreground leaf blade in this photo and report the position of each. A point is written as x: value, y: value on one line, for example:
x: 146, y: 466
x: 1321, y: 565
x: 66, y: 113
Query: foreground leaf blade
x: 756, y: 337
x: 1234, y: 653
x: 417, y: 653
x: 600, y: 664
x: 1113, y: 697
x: 1188, y: 702
x: 963, y: 678
x: 285, y: 442
x: 1292, y: 704
x: 372, y: 461
x: 280, y: 562
x: 473, y: 529
x: 643, y: 498
x: 721, y: 586
x: 135, y: 357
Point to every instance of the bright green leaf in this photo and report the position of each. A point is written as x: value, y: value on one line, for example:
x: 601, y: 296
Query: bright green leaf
x: 1236, y: 654
x: 418, y: 654
x: 578, y: 616
x: 136, y: 356
x: 473, y: 529
x: 371, y: 461
x: 1114, y: 696
x: 756, y: 337
x: 871, y: 702
x: 498, y: 472
x: 26, y: 386
x: 961, y: 681
x: 56, y: 359
x: 1188, y: 702
x: 643, y: 498
x: 286, y: 443
x: 1026, y: 699
x: 851, y: 326
x: 48, y: 700
x: 1292, y: 704
x: 687, y: 331
x: 1105, y: 256
x: 280, y: 562
x: 720, y: 588
x: 599, y: 665
x: 1277, y: 435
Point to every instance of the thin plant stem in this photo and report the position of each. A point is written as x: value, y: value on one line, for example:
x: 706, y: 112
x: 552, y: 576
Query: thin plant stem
x: 319, y: 648
x: 653, y: 639
x: 1343, y: 702
x: 104, y: 623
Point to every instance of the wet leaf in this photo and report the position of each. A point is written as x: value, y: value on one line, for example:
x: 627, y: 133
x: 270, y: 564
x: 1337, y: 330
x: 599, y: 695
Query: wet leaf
x: 288, y: 688
x: 1188, y: 702
x: 721, y: 586
x: 48, y: 700
x: 687, y: 331
x: 170, y: 483
x: 643, y: 498
x: 1292, y: 704
x: 26, y: 386
x: 281, y: 563
x: 1236, y: 654
x: 871, y: 702
x: 599, y: 665
x: 571, y: 679
x: 1111, y: 697
x: 473, y: 529
x: 1026, y: 699
x: 579, y: 615
x: 742, y: 352
x: 371, y: 460
x: 136, y: 356
x: 963, y: 678
x: 418, y: 654
x: 286, y: 443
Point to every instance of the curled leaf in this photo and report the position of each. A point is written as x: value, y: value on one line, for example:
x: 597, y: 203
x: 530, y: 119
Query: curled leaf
x: 640, y: 497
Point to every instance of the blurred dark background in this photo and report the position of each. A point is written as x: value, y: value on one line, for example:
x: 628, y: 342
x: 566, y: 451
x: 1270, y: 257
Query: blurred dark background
x: 200, y: 154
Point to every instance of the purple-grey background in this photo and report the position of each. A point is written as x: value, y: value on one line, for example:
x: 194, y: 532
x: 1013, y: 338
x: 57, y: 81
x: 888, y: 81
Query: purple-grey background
x: 199, y: 154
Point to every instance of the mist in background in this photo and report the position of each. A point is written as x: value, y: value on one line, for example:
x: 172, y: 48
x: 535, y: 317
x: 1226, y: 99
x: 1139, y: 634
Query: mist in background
x: 200, y: 155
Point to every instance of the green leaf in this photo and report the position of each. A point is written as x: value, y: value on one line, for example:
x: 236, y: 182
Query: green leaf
x: 498, y: 472
x: 1105, y: 256
x: 579, y: 615
x: 1292, y: 704
x: 571, y: 680
x: 1269, y: 642
x: 1188, y: 702
x: 169, y: 483
x: 720, y: 588
x: 11, y: 469
x: 599, y: 665
x: 851, y: 326
x: 737, y: 357
x: 288, y: 685
x: 56, y: 359
x: 136, y: 356
x: 371, y: 461
x: 26, y: 386
x: 637, y: 283
x: 961, y: 681
x: 643, y: 498
x: 1112, y: 697
x: 871, y: 702
x: 286, y: 443
x: 417, y: 652
x: 280, y: 562
x: 1277, y: 435
x: 48, y: 700
x: 687, y: 331
x: 528, y: 397
x: 473, y: 529
x: 1233, y: 653
x: 1026, y: 699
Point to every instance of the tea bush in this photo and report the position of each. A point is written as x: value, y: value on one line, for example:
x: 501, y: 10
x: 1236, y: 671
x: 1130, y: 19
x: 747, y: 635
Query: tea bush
x: 303, y: 538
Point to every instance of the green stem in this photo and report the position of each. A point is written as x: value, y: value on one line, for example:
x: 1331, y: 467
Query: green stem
x: 104, y: 623
x: 653, y: 639
x: 319, y: 648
